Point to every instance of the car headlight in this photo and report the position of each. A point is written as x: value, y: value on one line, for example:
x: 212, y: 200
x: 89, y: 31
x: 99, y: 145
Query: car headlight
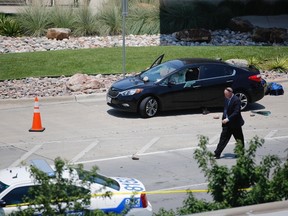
x: 130, y: 92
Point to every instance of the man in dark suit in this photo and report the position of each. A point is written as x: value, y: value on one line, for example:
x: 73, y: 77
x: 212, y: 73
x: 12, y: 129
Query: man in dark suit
x: 232, y: 122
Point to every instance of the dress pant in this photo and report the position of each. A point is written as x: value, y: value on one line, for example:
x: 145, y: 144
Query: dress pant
x: 225, y: 136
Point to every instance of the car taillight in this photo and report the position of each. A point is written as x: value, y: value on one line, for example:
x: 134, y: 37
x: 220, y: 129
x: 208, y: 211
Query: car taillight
x: 144, y: 200
x: 256, y: 78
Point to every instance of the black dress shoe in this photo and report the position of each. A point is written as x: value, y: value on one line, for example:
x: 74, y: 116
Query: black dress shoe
x: 216, y: 156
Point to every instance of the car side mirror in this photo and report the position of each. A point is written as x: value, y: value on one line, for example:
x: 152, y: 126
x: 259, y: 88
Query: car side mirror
x: 2, y: 203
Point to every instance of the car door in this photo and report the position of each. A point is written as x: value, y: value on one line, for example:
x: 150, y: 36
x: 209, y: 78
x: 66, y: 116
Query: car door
x: 157, y: 61
x: 15, y: 198
x: 213, y: 79
x: 181, y: 91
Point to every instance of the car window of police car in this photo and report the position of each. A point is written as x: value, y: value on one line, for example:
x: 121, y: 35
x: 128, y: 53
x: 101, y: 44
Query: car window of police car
x: 17, y: 195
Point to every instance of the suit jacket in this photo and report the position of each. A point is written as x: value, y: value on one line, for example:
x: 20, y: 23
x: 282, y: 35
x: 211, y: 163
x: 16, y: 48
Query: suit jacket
x: 233, y: 112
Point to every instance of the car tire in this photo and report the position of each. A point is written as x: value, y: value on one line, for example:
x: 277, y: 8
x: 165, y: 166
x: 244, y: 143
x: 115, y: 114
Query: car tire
x: 148, y: 107
x: 243, y: 98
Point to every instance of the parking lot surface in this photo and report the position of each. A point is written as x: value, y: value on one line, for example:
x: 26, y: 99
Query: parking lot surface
x: 85, y: 130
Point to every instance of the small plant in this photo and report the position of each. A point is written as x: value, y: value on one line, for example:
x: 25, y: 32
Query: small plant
x: 144, y: 18
x: 253, y: 61
x: 110, y: 19
x: 280, y: 64
x: 85, y: 22
x: 9, y: 26
x: 62, y: 17
x: 34, y: 20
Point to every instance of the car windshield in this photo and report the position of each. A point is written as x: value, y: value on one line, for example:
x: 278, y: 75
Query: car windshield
x: 3, y: 186
x: 160, y: 71
x: 99, y: 179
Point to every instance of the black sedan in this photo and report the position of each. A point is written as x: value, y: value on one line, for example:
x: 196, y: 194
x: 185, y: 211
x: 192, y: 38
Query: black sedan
x: 184, y: 84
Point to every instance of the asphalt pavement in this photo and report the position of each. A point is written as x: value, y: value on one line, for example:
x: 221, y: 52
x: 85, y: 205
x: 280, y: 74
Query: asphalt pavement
x: 83, y: 129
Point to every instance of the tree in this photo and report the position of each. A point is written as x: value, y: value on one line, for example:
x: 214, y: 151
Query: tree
x: 245, y: 183
x: 62, y: 192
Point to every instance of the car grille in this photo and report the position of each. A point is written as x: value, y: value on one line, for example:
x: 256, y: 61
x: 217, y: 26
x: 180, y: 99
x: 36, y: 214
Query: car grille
x: 113, y: 93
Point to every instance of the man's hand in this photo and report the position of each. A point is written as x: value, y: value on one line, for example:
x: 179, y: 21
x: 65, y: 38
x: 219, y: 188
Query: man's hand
x: 225, y: 121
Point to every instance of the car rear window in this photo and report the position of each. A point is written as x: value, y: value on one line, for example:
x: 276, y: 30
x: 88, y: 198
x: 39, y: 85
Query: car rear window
x: 99, y: 179
x: 3, y: 187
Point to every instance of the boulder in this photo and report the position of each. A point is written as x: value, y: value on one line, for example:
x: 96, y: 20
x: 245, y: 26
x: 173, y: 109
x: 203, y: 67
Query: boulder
x: 193, y: 35
x: 270, y: 35
x: 240, y: 25
x: 58, y: 33
x: 83, y: 82
x: 238, y: 62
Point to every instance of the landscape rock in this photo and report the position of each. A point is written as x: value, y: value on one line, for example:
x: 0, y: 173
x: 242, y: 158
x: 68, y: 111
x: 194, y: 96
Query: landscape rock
x: 193, y: 35
x: 81, y: 82
x: 58, y: 33
x: 270, y: 35
x: 238, y: 62
x: 240, y: 25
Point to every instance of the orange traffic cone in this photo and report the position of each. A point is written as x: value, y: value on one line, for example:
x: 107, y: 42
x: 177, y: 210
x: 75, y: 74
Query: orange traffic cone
x: 36, y: 125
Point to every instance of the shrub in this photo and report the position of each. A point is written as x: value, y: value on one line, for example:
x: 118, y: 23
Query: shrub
x: 9, y: 26
x: 34, y: 20
x: 144, y: 18
x: 62, y: 17
x: 110, y: 19
x: 245, y: 183
x: 279, y: 64
x: 84, y: 22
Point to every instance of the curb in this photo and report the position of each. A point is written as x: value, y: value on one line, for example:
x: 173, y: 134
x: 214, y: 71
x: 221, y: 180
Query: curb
x: 96, y: 97
x: 260, y: 210
x: 23, y: 102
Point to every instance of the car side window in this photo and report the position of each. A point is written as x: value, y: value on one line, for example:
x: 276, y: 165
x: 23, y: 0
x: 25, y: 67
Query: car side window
x: 17, y: 195
x: 211, y: 71
x: 192, y: 74
x: 177, y: 78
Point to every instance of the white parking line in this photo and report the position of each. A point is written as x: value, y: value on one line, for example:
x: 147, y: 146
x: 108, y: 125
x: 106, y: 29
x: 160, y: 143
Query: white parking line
x: 26, y: 155
x: 271, y: 134
x: 82, y: 153
x: 160, y: 152
x: 148, y: 145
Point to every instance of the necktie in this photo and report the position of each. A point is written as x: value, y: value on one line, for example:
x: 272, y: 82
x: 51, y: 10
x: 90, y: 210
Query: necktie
x: 227, y: 101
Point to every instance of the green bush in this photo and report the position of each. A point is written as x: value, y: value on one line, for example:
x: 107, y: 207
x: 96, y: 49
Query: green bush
x: 9, y: 26
x: 144, y: 18
x: 84, y: 22
x: 245, y: 183
x: 34, y: 20
x: 62, y: 17
x: 110, y: 19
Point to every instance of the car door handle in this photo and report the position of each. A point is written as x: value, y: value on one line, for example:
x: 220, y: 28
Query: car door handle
x: 229, y: 81
x: 198, y: 86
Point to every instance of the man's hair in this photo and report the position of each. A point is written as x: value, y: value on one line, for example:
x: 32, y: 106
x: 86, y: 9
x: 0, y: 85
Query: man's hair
x: 229, y: 89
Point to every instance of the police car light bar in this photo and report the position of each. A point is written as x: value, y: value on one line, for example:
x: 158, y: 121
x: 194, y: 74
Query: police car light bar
x: 43, y: 166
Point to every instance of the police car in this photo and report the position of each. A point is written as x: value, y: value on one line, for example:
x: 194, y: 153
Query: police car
x: 15, y: 183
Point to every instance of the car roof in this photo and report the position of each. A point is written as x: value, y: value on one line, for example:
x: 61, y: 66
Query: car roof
x: 15, y: 175
x: 201, y: 60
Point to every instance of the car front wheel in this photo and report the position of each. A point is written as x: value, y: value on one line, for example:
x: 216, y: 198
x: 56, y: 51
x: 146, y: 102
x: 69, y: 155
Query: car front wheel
x: 243, y: 98
x: 148, y: 107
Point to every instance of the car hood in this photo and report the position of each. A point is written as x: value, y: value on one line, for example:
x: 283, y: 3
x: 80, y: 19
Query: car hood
x: 129, y: 184
x: 129, y: 83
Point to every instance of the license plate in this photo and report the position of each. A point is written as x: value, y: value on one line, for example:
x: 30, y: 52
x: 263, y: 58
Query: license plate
x: 108, y: 99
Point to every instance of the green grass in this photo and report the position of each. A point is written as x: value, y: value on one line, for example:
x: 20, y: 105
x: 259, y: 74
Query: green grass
x: 109, y: 60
